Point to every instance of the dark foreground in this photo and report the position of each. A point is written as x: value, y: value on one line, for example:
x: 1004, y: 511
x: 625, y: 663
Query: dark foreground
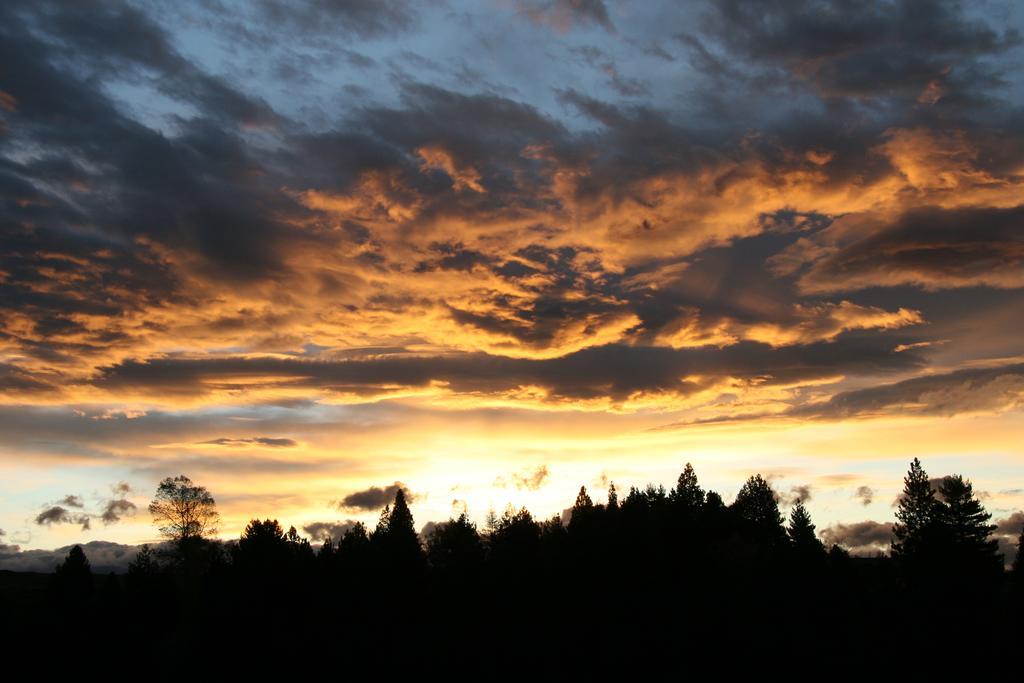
x: 665, y: 584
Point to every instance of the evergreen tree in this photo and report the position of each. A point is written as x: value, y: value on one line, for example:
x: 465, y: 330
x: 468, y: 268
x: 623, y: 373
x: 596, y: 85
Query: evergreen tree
x: 144, y: 566
x: 613, y: 498
x: 917, y: 529
x: 583, y: 501
x: 514, y: 542
x: 395, y: 537
x: 326, y: 554
x: 354, y: 551
x: 756, y: 505
x: 801, y: 533
x: 688, y: 494
x: 73, y: 578
x: 967, y: 529
x: 455, y: 546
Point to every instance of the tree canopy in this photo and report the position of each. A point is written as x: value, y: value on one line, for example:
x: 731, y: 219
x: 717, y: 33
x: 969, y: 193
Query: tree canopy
x: 183, y: 510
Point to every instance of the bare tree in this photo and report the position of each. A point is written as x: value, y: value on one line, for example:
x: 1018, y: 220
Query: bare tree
x: 184, y: 510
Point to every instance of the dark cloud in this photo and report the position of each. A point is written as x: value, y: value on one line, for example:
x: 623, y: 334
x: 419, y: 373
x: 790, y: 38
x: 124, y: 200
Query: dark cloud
x: 373, y: 498
x: 797, y: 494
x: 993, y: 389
x: 104, y: 557
x: 320, y: 532
x: 872, y: 49
x: 119, y: 36
x: 363, y: 18
x: 114, y: 510
x: 863, y: 538
x: 614, y: 371
x: 865, y: 494
x: 932, y: 248
x: 60, y: 515
x: 1010, y: 526
x: 1008, y: 534
x: 272, y: 442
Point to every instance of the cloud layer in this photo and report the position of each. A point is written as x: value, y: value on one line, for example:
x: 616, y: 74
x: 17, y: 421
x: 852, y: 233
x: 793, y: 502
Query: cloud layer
x: 724, y: 212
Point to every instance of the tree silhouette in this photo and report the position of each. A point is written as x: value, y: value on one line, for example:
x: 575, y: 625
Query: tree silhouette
x: 801, y: 533
x: 756, y: 506
x: 73, y: 578
x: 583, y: 501
x: 688, y: 494
x: 669, y: 582
x: 1018, y: 561
x: 144, y: 565
x: 967, y: 528
x: 395, y: 537
x: 455, y: 547
x: 916, y: 533
x: 184, y: 510
x: 262, y: 546
x: 613, y: 498
x: 514, y: 541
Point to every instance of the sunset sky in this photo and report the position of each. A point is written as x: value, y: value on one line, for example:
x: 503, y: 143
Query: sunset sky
x: 496, y: 250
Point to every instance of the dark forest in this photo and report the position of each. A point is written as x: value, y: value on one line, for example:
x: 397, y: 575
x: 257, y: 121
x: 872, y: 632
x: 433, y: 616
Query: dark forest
x: 647, y: 580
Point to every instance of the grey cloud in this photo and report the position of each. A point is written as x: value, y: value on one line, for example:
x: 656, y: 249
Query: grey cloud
x: 800, y: 493
x: 373, y: 498
x: 865, y: 494
x: 1010, y: 526
x: 272, y: 442
x: 363, y: 18
x: 114, y: 510
x: 320, y: 532
x: 993, y: 389
x: 59, y: 515
x: 1008, y: 533
x: 103, y: 556
x: 866, y: 50
x: 72, y: 501
x: 932, y: 248
x: 865, y: 538
x: 614, y: 370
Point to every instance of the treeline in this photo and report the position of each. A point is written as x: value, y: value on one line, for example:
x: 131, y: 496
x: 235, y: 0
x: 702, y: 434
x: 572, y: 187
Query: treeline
x: 653, y: 577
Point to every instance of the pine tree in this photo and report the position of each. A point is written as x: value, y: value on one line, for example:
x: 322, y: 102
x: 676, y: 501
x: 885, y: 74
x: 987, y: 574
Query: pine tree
x: 966, y: 524
x: 688, y: 494
x: 756, y: 505
x: 583, y: 501
x: 353, y: 552
x: 915, y: 533
x: 144, y: 565
x: 613, y: 498
x: 801, y: 533
x: 395, y: 537
x: 455, y: 546
x: 73, y: 578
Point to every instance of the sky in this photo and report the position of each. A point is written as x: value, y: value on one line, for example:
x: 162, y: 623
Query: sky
x: 306, y: 253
